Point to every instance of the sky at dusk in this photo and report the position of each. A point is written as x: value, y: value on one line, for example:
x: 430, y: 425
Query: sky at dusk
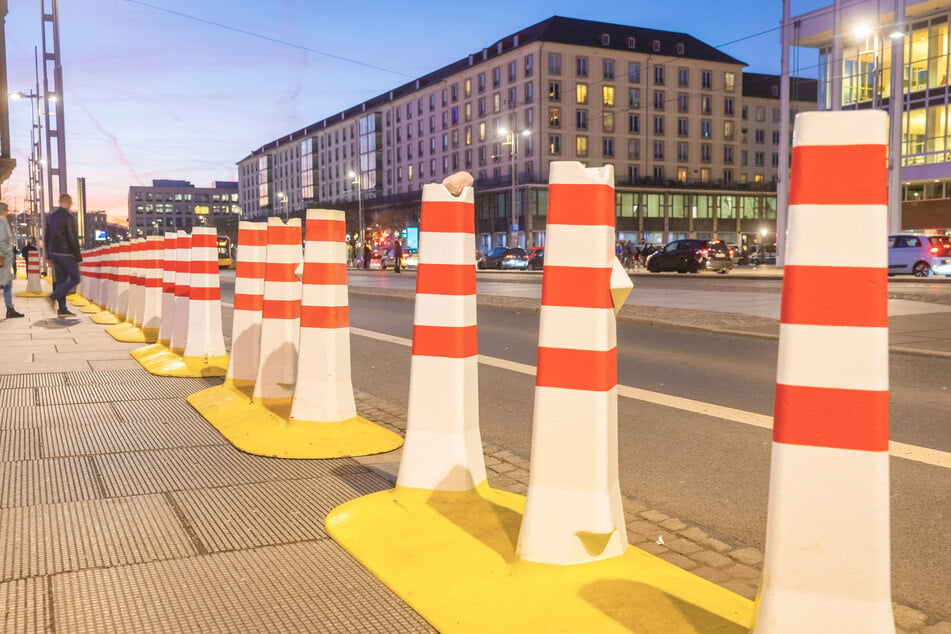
x: 151, y: 94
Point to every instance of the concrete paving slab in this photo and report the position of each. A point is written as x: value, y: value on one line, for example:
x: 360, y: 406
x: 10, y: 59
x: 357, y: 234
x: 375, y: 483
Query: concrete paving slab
x: 48, y: 481
x: 56, y: 538
x: 114, y: 364
x: 160, y: 409
x: 43, y: 356
x: 113, y: 393
x: 270, y: 513
x: 306, y: 587
x: 114, y: 437
x: 113, y: 377
x: 34, y: 366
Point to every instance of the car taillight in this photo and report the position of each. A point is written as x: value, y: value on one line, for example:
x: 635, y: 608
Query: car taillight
x: 934, y: 250
x: 731, y: 253
x: 704, y: 253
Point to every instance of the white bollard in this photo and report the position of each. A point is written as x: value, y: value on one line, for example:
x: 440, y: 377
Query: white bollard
x: 183, y: 254
x: 204, y: 339
x: 248, y: 303
x: 169, y: 271
x: 152, y: 301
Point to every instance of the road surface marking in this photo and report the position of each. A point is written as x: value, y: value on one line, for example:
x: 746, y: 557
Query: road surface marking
x: 924, y: 455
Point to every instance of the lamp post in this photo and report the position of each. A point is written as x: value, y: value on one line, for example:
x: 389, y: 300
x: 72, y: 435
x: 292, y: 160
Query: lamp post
x: 356, y: 181
x: 36, y: 160
x: 511, y: 139
x: 282, y: 199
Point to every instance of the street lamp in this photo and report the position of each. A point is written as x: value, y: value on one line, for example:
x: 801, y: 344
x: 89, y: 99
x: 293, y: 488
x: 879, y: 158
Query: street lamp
x: 511, y: 139
x: 356, y: 181
x: 282, y: 199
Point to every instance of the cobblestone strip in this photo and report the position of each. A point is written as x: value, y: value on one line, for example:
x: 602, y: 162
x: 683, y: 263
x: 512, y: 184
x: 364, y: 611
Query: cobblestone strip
x: 734, y: 566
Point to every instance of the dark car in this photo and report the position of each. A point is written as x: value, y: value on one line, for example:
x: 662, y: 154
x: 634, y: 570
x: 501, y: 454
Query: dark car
x: 691, y: 256
x: 536, y: 261
x: 502, y: 258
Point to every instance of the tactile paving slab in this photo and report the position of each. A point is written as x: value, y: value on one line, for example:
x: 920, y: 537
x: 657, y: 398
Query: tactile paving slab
x: 19, y: 444
x: 32, y: 380
x: 31, y: 482
x: 270, y: 513
x: 54, y: 538
x: 23, y: 606
x: 112, y: 377
x: 185, y: 468
x: 166, y: 409
x: 55, y: 415
x: 114, y: 437
x: 113, y: 393
x: 305, y: 587
x: 18, y: 397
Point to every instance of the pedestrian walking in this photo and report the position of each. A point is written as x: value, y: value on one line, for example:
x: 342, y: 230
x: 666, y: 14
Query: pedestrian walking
x: 7, y: 262
x: 397, y: 255
x: 62, y: 250
x: 366, y: 255
x: 627, y: 252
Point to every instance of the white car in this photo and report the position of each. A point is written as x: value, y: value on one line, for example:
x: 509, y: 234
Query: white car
x: 919, y: 255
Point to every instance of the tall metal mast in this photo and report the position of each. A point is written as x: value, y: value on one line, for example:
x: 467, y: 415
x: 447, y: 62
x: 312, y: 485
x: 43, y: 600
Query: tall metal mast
x: 53, y: 71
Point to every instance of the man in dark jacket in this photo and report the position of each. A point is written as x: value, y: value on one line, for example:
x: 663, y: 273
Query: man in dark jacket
x: 397, y: 255
x: 62, y: 250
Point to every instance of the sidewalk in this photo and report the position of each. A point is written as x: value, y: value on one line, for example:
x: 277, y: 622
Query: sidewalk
x: 123, y: 510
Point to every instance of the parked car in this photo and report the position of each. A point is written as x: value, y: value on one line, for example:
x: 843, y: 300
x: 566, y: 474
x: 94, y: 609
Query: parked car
x: 691, y: 256
x: 919, y: 255
x: 410, y: 259
x: 502, y: 258
x: 536, y: 259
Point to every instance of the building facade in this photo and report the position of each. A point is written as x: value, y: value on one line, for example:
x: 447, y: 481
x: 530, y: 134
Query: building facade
x: 860, y: 77
x: 169, y: 205
x: 665, y: 109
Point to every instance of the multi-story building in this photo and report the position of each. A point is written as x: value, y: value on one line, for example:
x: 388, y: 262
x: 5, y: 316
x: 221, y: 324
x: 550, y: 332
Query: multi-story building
x: 663, y: 108
x: 861, y: 78
x: 176, y: 204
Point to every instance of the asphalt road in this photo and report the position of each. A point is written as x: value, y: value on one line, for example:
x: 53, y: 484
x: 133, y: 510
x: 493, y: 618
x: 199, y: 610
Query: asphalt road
x: 709, y: 471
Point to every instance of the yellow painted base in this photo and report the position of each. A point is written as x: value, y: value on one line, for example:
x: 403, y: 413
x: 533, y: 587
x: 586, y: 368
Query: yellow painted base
x: 105, y: 318
x: 90, y: 309
x: 128, y: 333
x: 451, y: 556
x: 265, y: 428
x: 33, y: 294
x: 161, y: 361
x: 77, y: 300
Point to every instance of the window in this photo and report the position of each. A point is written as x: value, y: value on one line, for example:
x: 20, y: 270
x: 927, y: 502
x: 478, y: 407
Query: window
x: 705, y: 128
x: 634, y: 123
x: 607, y: 69
x: 659, y: 150
x: 554, y: 63
x: 554, y: 117
x: 467, y: 112
x: 482, y: 132
x: 529, y: 65
x: 728, y: 106
x: 760, y: 136
x: 683, y: 151
x: 607, y: 96
x: 706, y: 79
x: 658, y: 100
x: 467, y: 88
x: 513, y: 71
x: 775, y: 162
x: 581, y: 145
x: 656, y: 46
x: 658, y: 75
x: 581, y: 66
x: 775, y: 137
x: 605, y: 39
x: 581, y: 119
x: 728, y: 154
x: 630, y: 42
x: 529, y: 92
x: 659, y: 126
x: 634, y: 72
x: 608, y: 148
x: 607, y: 122
x: 759, y: 159
x: 683, y: 102
x: 496, y: 103
x: 680, y: 48
x: 760, y: 113
x: 468, y: 135
x: 683, y: 77
x: 706, y: 104
x: 682, y: 126
x: 554, y: 144
x: 480, y: 83
x: 581, y: 93
x: 634, y: 97
x: 513, y: 97
x: 658, y: 172
x: 729, y: 130
x: 634, y: 149
x: 554, y: 91
x: 481, y: 104
x: 705, y: 152
x: 729, y: 81
x: 682, y: 177
x: 775, y: 115
x: 454, y: 90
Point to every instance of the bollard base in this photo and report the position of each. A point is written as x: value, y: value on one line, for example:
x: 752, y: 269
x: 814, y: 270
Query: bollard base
x: 129, y: 333
x: 32, y: 294
x: 451, y: 556
x: 105, y: 318
x: 90, y: 309
x: 160, y: 361
x: 77, y: 300
x: 266, y: 430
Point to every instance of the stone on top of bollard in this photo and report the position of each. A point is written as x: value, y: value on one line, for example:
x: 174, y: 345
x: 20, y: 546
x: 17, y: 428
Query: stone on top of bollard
x: 457, y: 182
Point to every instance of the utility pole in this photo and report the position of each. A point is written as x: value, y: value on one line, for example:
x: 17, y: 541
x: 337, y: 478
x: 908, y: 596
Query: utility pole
x: 55, y: 129
x: 7, y: 163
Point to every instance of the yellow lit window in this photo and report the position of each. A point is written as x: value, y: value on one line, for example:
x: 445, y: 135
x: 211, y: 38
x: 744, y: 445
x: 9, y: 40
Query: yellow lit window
x: 581, y: 93
x: 607, y: 95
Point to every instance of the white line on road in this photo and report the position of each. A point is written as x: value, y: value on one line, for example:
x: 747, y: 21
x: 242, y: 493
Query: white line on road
x: 924, y: 455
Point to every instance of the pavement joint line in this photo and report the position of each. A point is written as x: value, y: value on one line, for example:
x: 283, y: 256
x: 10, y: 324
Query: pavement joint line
x: 934, y: 457
x: 98, y: 481
x: 179, y: 512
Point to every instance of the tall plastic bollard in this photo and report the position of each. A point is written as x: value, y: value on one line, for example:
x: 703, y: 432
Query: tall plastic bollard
x: 92, y: 281
x: 152, y: 302
x: 248, y: 304
x: 573, y: 511
x: 107, y: 274
x: 136, y: 283
x: 280, y: 325
x: 169, y: 269
x: 205, y: 343
x: 34, y: 287
x: 123, y: 264
x: 827, y: 566
x: 183, y: 258
x: 443, y: 446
